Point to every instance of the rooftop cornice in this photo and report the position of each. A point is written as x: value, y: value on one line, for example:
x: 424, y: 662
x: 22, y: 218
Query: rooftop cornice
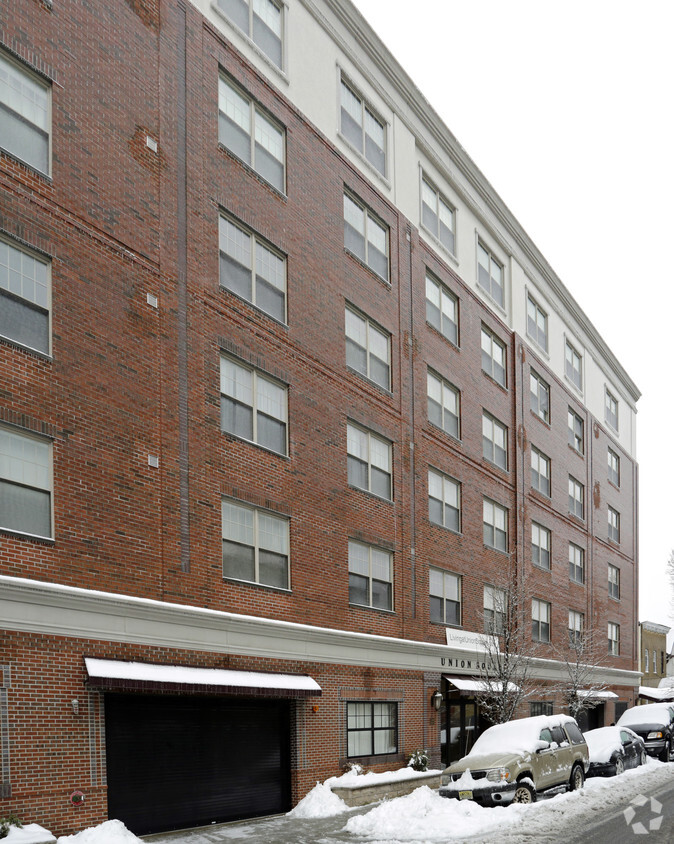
x: 377, y: 52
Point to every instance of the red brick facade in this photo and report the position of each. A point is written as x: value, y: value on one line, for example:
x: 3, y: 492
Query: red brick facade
x: 125, y: 380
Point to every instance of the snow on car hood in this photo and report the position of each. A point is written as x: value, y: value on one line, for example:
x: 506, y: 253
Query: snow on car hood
x: 649, y: 713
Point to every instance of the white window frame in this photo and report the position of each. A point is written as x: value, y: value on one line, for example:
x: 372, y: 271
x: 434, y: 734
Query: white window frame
x: 258, y: 514
x: 539, y: 401
x: 33, y: 96
x: 374, y: 558
x: 444, y: 302
x: 541, y: 472
x: 576, y: 498
x: 541, y: 612
x: 493, y: 290
x: 613, y: 638
x: 613, y: 582
x: 576, y: 628
x: 371, y: 439
x: 494, y: 609
x: 25, y: 287
x: 26, y: 470
x: 613, y: 467
x: 537, y: 323
x: 494, y: 441
x: 494, y: 524
x: 441, y: 203
x: 451, y: 593
x: 255, y: 110
x: 489, y: 341
x: 575, y: 421
x: 611, y: 410
x: 576, y: 563
x: 450, y: 489
x: 646, y: 653
x: 613, y: 525
x: 371, y: 331
x: 367, y: 110
x: 370, y: 222
x: 255, y: 265
x: 541, y: 539
x: 573, y: 374
x: 248, y: 30
x: 440, y: 393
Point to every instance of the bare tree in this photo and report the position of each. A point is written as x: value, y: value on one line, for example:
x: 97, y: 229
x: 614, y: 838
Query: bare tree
x: 505, y: 673
x: 580, y: 688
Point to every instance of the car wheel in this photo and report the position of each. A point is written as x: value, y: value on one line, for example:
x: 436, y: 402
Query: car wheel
x: 619, y: 766
x: 524, y: 793
x: 664, y: 754
x: 643, y: 757
x: 577, y: 779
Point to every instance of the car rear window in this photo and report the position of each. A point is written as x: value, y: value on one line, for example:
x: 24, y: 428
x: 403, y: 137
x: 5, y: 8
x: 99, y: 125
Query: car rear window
x: 574, y: 733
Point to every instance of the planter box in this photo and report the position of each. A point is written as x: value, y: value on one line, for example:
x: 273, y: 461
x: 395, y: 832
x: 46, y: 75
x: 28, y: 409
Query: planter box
x: 360, y: 795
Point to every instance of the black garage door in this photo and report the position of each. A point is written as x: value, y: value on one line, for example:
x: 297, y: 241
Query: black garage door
x: 175, y: 762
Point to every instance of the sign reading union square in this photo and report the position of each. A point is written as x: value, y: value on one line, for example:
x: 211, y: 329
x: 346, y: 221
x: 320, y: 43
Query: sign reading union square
x: 472, y: 651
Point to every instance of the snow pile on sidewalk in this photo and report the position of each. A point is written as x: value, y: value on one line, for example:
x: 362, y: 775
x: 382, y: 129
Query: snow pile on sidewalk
x: 110, y: 832
x: 31, y: 833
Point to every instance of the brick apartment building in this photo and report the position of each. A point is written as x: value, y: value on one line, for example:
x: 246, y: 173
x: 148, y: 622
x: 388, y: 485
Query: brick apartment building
x: 285, y: 392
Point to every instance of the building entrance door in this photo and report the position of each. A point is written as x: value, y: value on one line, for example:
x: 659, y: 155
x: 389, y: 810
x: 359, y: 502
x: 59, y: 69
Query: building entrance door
x: 461, y: 727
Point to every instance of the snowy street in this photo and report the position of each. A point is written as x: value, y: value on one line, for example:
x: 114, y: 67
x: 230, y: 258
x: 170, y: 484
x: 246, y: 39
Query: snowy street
x: 638, y: 803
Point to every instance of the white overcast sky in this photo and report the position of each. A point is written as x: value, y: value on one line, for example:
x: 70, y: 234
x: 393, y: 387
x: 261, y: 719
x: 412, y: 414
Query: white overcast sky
x: 567, y: 110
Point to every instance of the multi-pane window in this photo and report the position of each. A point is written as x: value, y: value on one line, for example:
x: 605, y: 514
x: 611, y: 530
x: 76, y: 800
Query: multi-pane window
x: 261, y: 21
x: 540, y: 707
x: 613, y: 467
x: 255, y: 545
x: 646, y: 662
x: 540, y: 620
x: 575, y: 628
x: 365, y: 236
x: 541, y: 541
x: 24, y: 115
x: 494, y: 441
x: 611, y: 410
x: 494, y: 610
x: 613, y: 525
x: 494, y: 525
x: 576, y: 563
x: 442, y: 309
x: 362, y: 128
x: 252, y: 269
x: 614, y: 582
x: 537, y: 324
x: 613, y: 638
x: 370, y: 576
x: 490, y: 274
x: 539, y: 392
x: 371, y: 728
x: 437, y: 215
x: 445, y: 596
x: 540, y: 471
x: 576, y: 431
x: 443, y: 404
x: 573, y: 366
x: 24, y: 297
x: 493, y: 356
x: 576, y: 498
x: 253, y: 406
x: 368, y: 349
x: 25, y: 483
x: 247, y: 131
x: 368, y: 461
x: 444, y: 501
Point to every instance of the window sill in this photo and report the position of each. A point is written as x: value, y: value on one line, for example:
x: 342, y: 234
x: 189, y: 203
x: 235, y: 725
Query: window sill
x: 497, y: 305
x: 575, y: 451
x: 253, y: 172
x: 537, y: 347
x: 494, y: 381
x: 249, y: 41
x: 33, y: 170
x: 497, y: 550
x: 281, y: 589
x: 438, y: 244
x: 548, y: 570
x: 385, y: 390
x: 577, y: 582
x: 375, y: 609
x: 29, y: 537
x: 381, y: 177
x: 544, y: 496
x: 439, y: 430
x: 579, y: 519
x: 252, y: 305
x: 614, y: 484
x: 237, y: 438
x: 444, y: 527
x: 454, y: 345
x: 27, y: 349
x: 372, y: 760
x: 492, y: 465
x: 540, y: 419
x: 365, y: 266
x: 371, y: 494
x: 573, y: 385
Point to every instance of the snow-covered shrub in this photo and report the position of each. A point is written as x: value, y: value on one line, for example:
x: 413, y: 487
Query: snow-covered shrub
x: 418, y: 760
x: 5, y: 823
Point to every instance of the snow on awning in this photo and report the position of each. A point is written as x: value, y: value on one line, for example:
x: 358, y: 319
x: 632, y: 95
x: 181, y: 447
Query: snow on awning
x: 658, y: 694
x: 468, y: 684
x: 590, y: 693
x: 142, y: 676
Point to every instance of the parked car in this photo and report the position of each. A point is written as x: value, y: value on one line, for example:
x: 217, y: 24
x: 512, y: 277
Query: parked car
x: 613, y: 750
x: 654, y: 722
x: 513, y: 762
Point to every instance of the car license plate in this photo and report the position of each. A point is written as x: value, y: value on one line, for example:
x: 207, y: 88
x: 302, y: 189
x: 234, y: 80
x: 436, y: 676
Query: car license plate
x: 465, y: 795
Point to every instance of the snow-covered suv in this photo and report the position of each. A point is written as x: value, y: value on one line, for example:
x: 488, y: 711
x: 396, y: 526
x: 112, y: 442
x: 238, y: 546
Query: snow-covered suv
x: 512, y: 762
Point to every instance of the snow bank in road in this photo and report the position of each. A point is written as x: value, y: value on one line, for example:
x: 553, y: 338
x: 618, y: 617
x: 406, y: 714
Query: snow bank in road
x: 110, y: 832
x: 320, y: 802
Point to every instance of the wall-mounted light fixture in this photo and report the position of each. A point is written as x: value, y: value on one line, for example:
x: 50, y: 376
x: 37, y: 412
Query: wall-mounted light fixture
x: 76, y: 706
x: 436, y: 700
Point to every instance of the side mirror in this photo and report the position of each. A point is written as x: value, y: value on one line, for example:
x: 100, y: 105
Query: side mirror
x: 541, y: 745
